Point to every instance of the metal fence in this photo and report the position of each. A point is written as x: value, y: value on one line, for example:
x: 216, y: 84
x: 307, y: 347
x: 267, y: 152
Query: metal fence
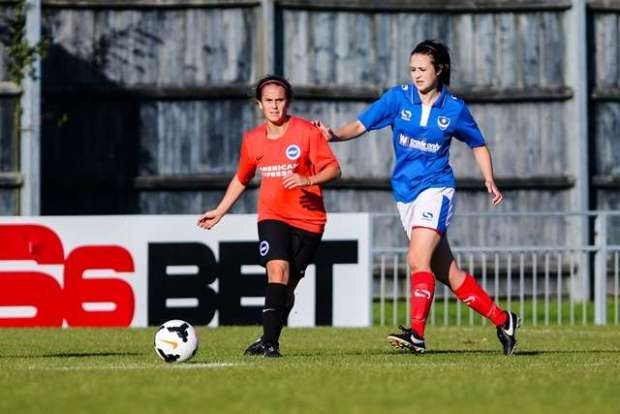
x: 554, y: 283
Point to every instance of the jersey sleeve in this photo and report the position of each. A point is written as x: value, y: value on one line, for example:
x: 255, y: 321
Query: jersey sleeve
x: 247, y: 164
x: 382, y: 112
x: 321, y: 155
x: 467, y: 130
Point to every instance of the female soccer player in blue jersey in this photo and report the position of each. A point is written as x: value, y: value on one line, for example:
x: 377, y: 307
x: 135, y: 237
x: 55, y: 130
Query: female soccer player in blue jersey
x: 424, y: 117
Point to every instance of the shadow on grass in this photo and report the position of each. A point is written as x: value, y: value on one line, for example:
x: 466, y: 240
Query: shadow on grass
x: 455, y: 352
x: 75, y: 355
x: 523, y: 353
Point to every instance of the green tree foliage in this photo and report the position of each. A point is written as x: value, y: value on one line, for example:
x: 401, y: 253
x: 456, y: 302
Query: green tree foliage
x: 21, y: 53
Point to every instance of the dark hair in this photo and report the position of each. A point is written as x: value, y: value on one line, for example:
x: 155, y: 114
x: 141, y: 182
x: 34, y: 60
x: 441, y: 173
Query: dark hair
x: 440, y: 55
x: 274, y: 80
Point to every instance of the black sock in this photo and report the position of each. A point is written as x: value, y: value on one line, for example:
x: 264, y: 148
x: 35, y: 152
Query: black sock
x: 275, y: 303
x: 289, y: 307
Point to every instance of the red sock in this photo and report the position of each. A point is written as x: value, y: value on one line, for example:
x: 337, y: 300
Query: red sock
x: 476, y: 298
x: 422, y: 292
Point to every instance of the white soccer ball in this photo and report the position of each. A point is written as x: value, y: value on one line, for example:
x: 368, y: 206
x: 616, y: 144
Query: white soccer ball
x: 176, y: 341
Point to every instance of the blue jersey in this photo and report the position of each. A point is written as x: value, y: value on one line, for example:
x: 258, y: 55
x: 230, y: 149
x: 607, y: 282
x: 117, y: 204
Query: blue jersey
x: 421, y: 151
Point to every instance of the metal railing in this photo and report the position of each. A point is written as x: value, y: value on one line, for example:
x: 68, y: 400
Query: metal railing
x: 561, y: 283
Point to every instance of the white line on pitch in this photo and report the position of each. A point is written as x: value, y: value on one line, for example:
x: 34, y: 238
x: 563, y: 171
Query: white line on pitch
x: 163, y: 365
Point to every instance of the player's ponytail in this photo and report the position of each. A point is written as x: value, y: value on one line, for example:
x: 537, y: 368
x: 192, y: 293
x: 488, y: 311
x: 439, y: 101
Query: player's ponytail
x: 440, y: 55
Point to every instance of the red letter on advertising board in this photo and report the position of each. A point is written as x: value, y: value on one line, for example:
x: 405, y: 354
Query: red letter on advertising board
x: 79, y: 290
x: 30, y: 242
x: 31, y: 289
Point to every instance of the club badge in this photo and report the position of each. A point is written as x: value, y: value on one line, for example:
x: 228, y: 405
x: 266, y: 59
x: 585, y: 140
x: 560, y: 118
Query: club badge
x: 293, y: 152
x: 443, y: 122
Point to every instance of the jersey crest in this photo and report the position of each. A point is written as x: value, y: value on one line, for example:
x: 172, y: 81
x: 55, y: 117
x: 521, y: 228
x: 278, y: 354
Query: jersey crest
x: 443, y: 122
x: 293, y: 152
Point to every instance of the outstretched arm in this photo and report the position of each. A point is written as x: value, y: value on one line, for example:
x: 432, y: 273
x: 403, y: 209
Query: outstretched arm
x: 349, y: 131
x: 232, y: 194
x: 483, y: 159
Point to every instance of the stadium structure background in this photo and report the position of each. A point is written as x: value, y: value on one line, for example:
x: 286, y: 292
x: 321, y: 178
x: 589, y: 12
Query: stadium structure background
x: 143, y: 102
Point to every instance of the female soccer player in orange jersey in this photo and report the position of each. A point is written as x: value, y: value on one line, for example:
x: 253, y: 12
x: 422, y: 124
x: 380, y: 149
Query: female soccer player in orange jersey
x: 293, y: 159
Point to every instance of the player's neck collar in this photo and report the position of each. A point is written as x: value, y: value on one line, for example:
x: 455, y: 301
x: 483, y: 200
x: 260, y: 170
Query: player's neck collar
x: 281, y: 129
x: 439, y: 102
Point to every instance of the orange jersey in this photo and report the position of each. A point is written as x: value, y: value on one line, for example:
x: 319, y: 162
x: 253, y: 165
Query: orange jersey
x: 302, y: 149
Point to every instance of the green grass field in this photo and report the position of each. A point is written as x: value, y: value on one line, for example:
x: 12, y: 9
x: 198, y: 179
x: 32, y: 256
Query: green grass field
x: 325, y: 370
x: 562, y: 313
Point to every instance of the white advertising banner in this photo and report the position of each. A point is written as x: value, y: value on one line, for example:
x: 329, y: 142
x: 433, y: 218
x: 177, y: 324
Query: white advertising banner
x: 143, y: 270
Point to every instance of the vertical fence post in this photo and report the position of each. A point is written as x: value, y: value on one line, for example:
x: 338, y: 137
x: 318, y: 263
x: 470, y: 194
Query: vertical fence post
x: 395, y: 291
x: 600, y: 270
x: 616, y: 262
x: 266, y: 33
x: 382, y: 292
x: 534, y: 288
x: 371, y: 268
x: 30, y: 121
x: 407, y: 293
x: 578, y: 136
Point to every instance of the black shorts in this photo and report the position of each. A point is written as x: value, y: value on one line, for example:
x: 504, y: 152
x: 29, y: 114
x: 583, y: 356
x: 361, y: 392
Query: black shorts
x: 281, y: 241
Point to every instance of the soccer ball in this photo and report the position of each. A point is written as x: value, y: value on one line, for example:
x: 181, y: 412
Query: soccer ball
x: 176, y: 341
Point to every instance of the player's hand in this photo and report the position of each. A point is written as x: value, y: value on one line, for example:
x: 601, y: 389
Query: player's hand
x: 328, y: 133
x: 494, y: 191
x: 209, y: 219
x: 295, y: 180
